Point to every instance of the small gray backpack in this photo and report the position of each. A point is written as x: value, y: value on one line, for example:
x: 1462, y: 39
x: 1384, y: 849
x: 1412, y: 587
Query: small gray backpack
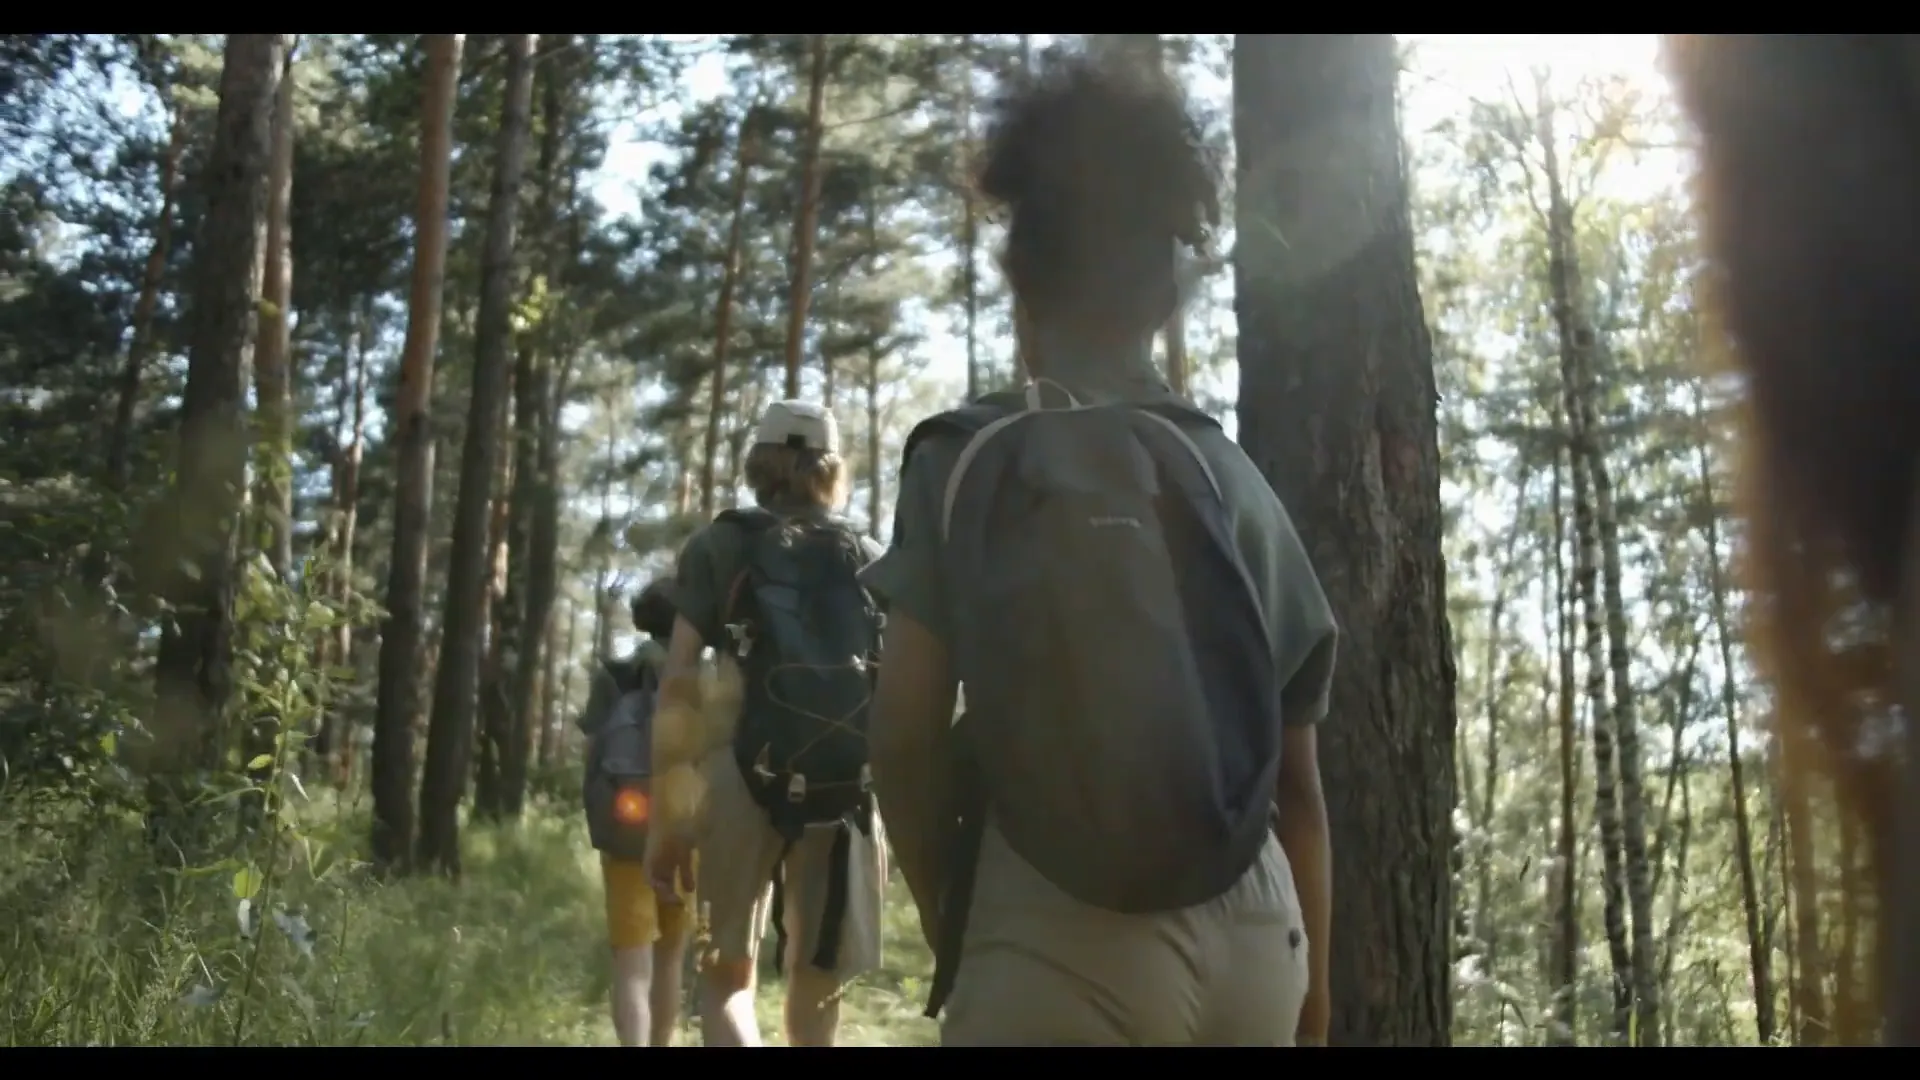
x: 620, y: 756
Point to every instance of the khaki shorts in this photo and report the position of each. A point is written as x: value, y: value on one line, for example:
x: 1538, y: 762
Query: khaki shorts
x: 1042, y: 969
x: 738, y: 851
x: 635, y: 917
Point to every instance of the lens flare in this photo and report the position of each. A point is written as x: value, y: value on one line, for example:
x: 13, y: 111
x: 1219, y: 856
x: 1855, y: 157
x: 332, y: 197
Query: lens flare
x: 631, y: 806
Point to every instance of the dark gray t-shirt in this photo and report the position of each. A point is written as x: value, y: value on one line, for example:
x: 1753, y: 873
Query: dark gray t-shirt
x: 908, y: 577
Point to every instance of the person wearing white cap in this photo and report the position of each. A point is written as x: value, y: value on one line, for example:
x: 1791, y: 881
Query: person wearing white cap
x: 763, y: 768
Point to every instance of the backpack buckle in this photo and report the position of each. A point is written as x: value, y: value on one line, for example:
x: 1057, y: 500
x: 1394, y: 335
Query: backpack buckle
x: 797, y: 788
x: 742, y: 636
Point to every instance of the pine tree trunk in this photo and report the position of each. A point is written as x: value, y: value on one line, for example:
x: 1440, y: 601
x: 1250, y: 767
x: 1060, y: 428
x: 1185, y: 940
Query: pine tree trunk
x: 401, y: 654
x: 1564, y: 289
x: 1337, y: 407
x: 273, y: 364
x: 1759, y: 951
x: 1622, y: 739
x: 491, y: 704
x: 450, y: 725
x: 1566, y: 969
x: 334, y: 743
x: 193, y: 564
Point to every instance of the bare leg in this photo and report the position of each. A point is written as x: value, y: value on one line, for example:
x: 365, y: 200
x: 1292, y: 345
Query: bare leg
x: 632, y: 976
x: 726, y: 1004
x: 813, y: 1004
x: 669, y: 959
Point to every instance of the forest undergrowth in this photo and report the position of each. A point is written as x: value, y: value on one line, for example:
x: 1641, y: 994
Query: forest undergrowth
x: 107, y: 946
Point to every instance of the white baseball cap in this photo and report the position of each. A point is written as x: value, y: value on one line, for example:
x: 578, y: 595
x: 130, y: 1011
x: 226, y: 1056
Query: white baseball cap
x: 800, y: 424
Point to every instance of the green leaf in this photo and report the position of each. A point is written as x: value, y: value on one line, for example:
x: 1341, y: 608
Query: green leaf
x: 260, y: 761
x: 246, y: 882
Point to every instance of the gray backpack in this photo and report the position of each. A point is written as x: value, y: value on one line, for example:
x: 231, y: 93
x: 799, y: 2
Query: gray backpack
x: 619, y: 757
x: 1122, y: 723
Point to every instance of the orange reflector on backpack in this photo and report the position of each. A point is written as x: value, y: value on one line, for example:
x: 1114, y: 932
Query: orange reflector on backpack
x: 631, y: 806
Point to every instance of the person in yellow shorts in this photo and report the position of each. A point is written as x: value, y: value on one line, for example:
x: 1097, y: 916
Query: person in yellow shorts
x: 648, y: 937
x: 649, y: 943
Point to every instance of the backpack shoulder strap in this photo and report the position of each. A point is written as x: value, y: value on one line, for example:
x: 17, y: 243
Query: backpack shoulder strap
x: 624, y: 673
x: 1007, y: 408
x: 1176, y: 418
x: 965, y: 420
x: 753, y: 519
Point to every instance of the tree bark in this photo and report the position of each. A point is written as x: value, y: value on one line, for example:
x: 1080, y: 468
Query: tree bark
x: 536, y: 494
x: 335, y: 744
x: 194, y: 563
x: 1616, y: 737
x: 450, y: 724
x: 1337, y: 408
x: 400, y: 637
x: 1566, y: 950
x: 272, y: 369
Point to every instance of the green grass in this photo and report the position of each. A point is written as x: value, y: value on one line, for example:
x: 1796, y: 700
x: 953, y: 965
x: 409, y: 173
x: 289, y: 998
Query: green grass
x: 515, y: 954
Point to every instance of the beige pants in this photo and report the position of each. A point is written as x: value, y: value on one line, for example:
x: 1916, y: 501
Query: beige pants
x: 738, y: 852
x: 1042, y: 969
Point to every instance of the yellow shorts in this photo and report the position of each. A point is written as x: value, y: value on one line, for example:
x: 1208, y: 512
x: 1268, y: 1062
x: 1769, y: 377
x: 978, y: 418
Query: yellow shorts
x: 635, y: 917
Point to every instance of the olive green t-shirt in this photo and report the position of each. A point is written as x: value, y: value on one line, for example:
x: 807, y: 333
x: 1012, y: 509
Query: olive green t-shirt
x: 909, y: 576
x: 710, y: 562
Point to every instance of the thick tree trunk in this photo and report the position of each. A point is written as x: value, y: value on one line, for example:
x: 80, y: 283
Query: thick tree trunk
x: 450, y: 724
x: 400, y: 638
x: 193, y: 566
x: 531, y: 582
x: 1337, y: 407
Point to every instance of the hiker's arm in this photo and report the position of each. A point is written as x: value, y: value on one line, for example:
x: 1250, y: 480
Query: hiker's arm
x: 912, y: 712
x: 913, y: 703
x: 1305, y: 640
x: 678, y: 722
x: 1302, y: 830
